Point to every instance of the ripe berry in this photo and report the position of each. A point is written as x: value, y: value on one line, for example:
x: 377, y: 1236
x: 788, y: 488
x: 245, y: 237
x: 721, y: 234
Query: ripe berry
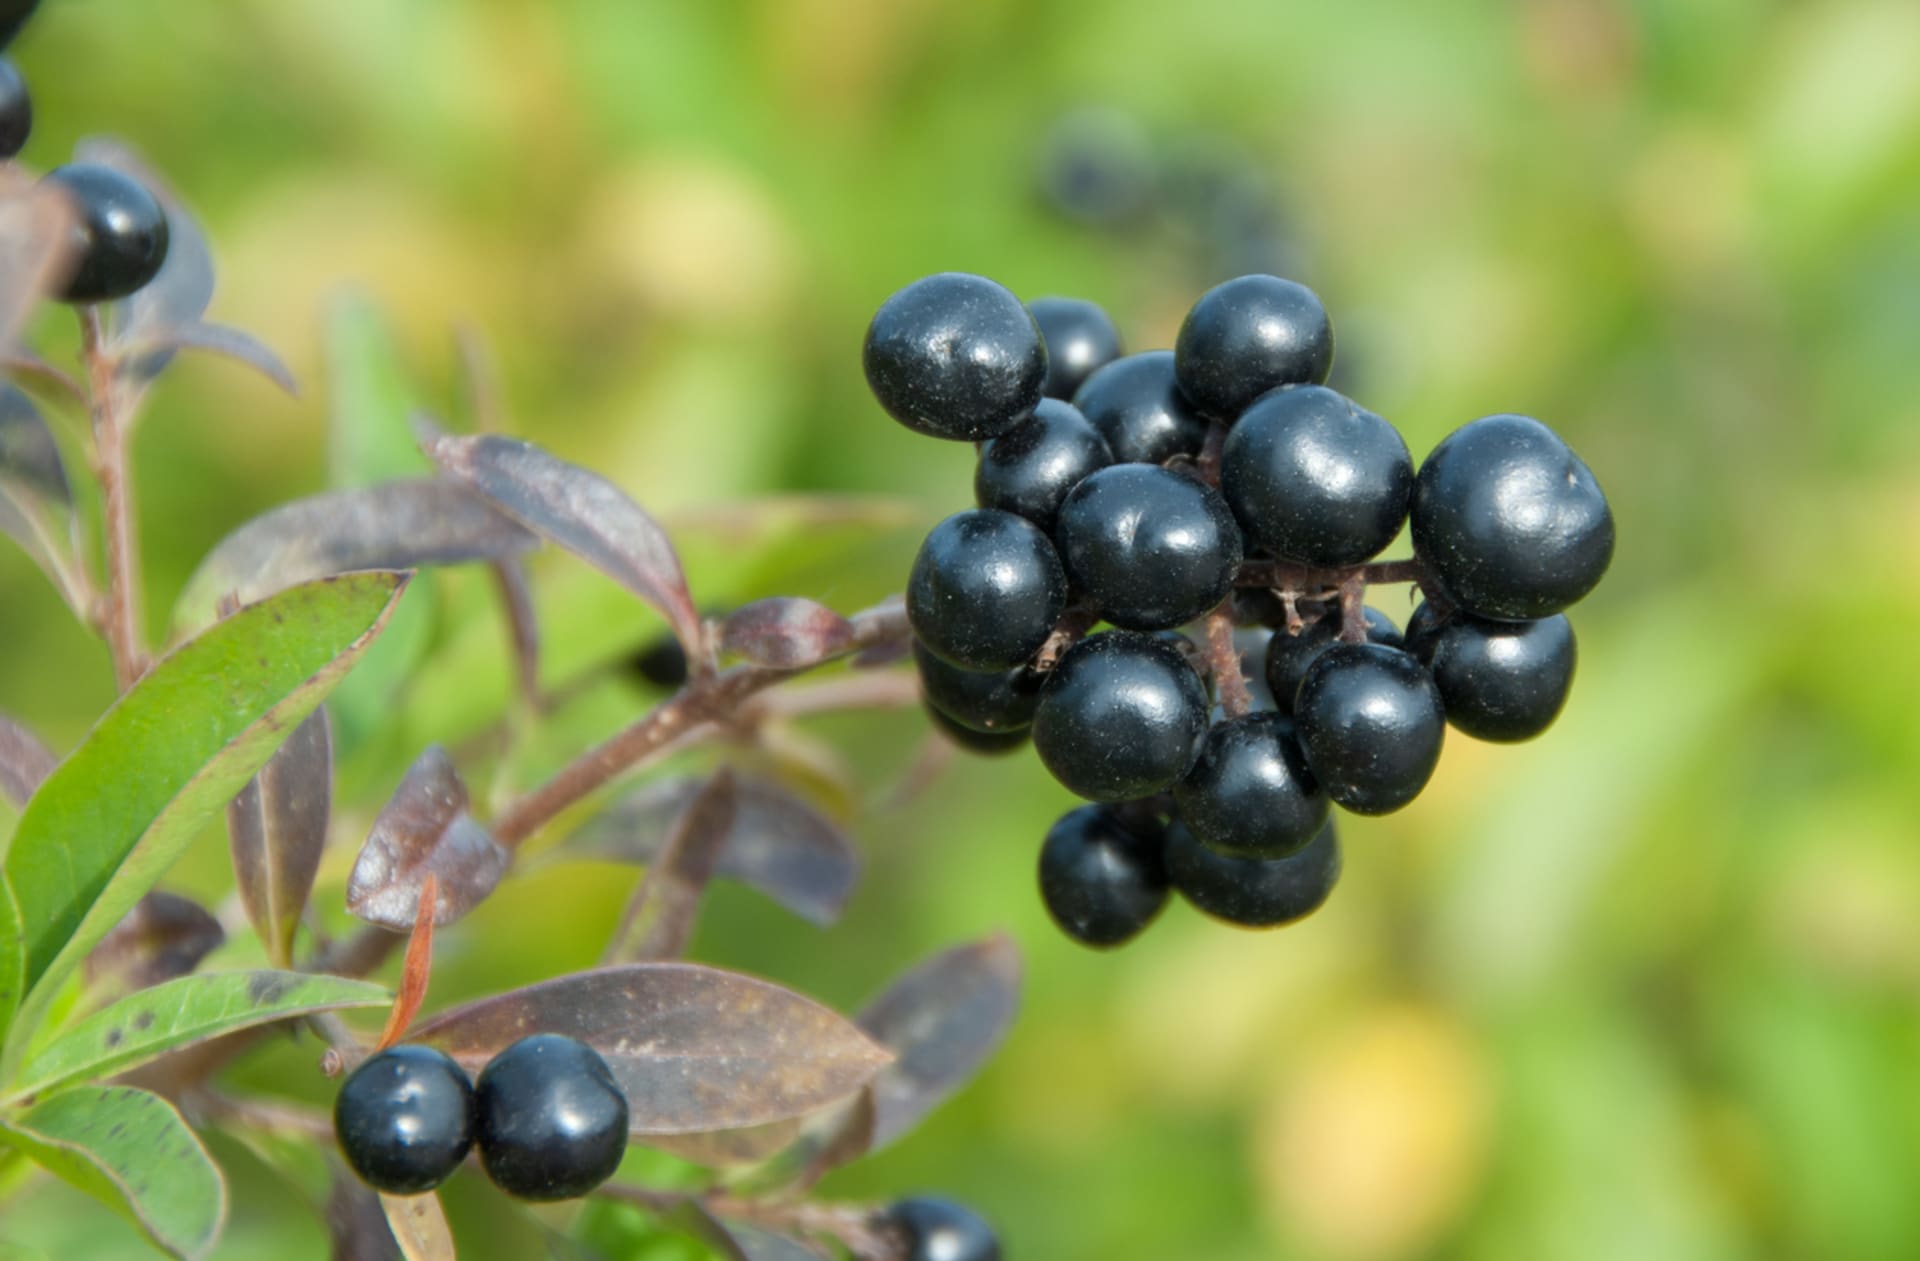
x: 1151, y: 548
x: 1101, y: 876
x: 986, y: 590
x: 121, y: 234
x: 941, y: 1230
x: 1313, y: 477
x: 1288, y: 656
x: 1119, y: 716
x: 1510, y: 520
x: 1030, y: 468
x: 1251, y: 794
x: 661, y: 661
x: 16, y: 110
x: 14, y: 15
x: 550, y: 1120
x: 1424, y: 622
x: 1254, y: 892
x: 1080, y: 338
x: 981, y: 701
x: 1503, y: 681
x: 1135, y: 405
x: 404, y: 1119
x: 955, y: 356
x: 1371, y: 723
x: 984, y: 743
x: 1248, y: 336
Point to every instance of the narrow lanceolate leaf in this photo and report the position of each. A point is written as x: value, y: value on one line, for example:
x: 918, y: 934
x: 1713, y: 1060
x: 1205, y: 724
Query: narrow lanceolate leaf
x: 180, y: 294
x: 180, y: 1013
x: 660, y: 922
x: 694, y: 1048
x: 777, y: 843
x: 36, y: 500
x: 425, y: 831
x: 13, y: 956
x: 131, y: 1151
x: 786, y: 632
x: 414, y: 973
x: 168, y: 757
x: 739, y: 1241
x: 419, y: 1226
x: 36, y: 248
x: 357, y: 1227
x: 218, y: 339
x: 582, y: 512
x: 719, y: 1149
x: 277, y: 830
x: 164, y: 936
x: 24, y: 761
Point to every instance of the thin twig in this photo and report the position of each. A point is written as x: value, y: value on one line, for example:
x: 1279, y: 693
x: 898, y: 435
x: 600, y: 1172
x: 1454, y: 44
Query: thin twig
x: 1223, y: 662
x: 111, y: 440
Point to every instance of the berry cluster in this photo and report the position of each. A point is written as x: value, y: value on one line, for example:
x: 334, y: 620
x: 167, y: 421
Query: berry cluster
x: 1090, y: 602
x: 546, y: 1113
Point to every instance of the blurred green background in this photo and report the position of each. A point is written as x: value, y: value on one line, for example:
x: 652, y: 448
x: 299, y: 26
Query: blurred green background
x: 1644, y: 988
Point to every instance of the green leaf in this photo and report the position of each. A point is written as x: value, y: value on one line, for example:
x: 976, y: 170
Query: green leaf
x: 168, y: 757
x: 369, y: 434
x: 130, y: 1150
x: 13, y: 954
x: 166, y: 1017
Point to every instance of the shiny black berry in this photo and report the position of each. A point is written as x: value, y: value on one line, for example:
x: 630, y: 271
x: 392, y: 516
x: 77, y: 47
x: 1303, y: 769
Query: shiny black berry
x: 1288, y: 655
x: 941, y: 1230
x: 1314, y: 477
x: 16, y: 110
x: 996, y: 700
x: 550, y: 1120
x: 1254, y: 892
x: 14, y: 15
x: 1424, y: 622
x: 120, y: 236
x: 1248, y: 336
x: 955, y: 356
x: 1031, y: 468
x: 1371, y: 722
x: 661, y: 661
x: 1503, y: 681
x: 1080, y: 338
x: 1511, y: 522
x: 986, y: 590
x: 1251, y: 794
x: 404, y: 1119
x: 1101, y: 876
x: 983, y: 743
x: 1150, y: 547
x: 1120, y: 716
x: 1138, y: 409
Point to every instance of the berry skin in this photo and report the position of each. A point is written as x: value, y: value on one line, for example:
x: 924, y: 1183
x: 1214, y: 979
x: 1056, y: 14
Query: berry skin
x: 1502, y: 681
x: 1248, y: 336
x: 1254, y: 892
x: 1120, y: 717
x: 1030, y: 469
x: 1141, y: 413
x: 121, y: 234
x: 1151, y: 548
x: 981, y: 701
x: 1250, y: 794
x: 1510, y: 521
x: 16, y: 110
x: 1315, y: 478
x: 550, y: 1119
x: 1080, y: 337
x: 404, y: 1119
x: 1102, y: 878
x: 1424, y: 623
x: 986, y: 590
x: 955, y: 356
x: 1371, y: 723
x: 661, y: 662
x: 1288, y: 656
x: 14, y: 15
x: 941, y: 1230
x: 983, y: 743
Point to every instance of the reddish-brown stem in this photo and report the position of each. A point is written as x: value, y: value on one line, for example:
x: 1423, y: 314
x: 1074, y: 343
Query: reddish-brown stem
x: 1209, y: 462
x: 1280, y: 575
x: 111, y: 442
x: 1353, y: 609
x: 1070, y: 630
x: 1223, y: 661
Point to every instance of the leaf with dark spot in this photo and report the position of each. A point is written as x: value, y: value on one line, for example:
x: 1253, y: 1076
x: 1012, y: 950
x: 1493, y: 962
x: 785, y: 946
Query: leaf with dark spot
x: 425, y: 831
x: 24, y: 761
x: 786, y: 633
x: 164, y: 936
x: 660, y: 920
x: 277, y: 830
x: 217, y: 339
x: 36, y: 248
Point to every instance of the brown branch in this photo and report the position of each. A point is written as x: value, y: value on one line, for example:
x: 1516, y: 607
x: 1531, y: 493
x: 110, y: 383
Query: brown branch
x: 112, y: 439
x: 1223, y: 662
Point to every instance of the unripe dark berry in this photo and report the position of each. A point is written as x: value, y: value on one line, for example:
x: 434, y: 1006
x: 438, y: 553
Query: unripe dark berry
x: 941, y: 1230
x: 404, y: 1119
x: 14, y: 15
x: 1149, y: 547
x: 1289, y: 655
x: 1101, y: 875
x: 1315, y: 478
x: 1137, y: 408
x: 1120, y: 717
x: 982, y: 701
x: 1251, y: 794
x: 120, y: 235
x: 1510, y: 521
x: 1031, y: 468
x: 983, y: 743
x: 1248, y: 336
x: 550, y: 1120
x: 955, y: 356
x: 1254, y: 892
x: 1371, y: 723
x: 1080, y: 338
x: 1503, y: 681
x: 986, y: 590
x: 16, y: 110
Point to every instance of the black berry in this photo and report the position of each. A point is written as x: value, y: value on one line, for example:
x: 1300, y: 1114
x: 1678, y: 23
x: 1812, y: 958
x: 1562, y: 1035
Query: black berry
x: 1503, y: 681
x: 1150, y: 547
x: 1254, y: 892
x: 1421, y: 627
x: 550, y: 1119
x: 941, y: 1230
x: 1030, y: 468
x: 982, y: 701
x: 1120, y: 716
x: 404, y: 1119
x: 986, y: 590
x: 16, y: 110
x: 1371, y: 723
x: 1248, y: 336
x: 1102, y: 877
x: 120, y: 236
x: 984, y: 743
x: 955, y: 356
x: 14, y: 15
x: 1510, y: 521
x: 1315, y: 478
x: 1138, y: 409
x: 661, y: 661
x: 1080, y: 337
x: 1250, y: 794
x: 1288, y: 655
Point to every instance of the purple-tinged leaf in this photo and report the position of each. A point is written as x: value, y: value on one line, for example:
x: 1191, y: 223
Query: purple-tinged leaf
x: 659, y: 923
x: 36, y: 248
x: 24, y: 761
x: 419, y: 1226
x: 718, y: 1149
x: 277, y: 829
x: 694, y: 1048
x: 217, y: 339
x: 180, y: 294
x: 425, y: 831
x: 583, y: 513
x: 357, y: 1222
x: 777, y: 843
x: 829, y: 1139
x: 36, y: 501
x: 786, y: 633
x: 163, y: 937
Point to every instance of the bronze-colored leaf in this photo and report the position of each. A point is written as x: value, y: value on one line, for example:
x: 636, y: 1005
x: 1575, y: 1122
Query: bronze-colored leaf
x: 419, y: 1226
x: 277, y: 830
x: 415, y: 971
x: 659, y: 922
x: 357, y: 1222
x: 718, y: 1149
x: 36, y: 501
x: 24, y: 761
x: 786, y: 633
x: 425, y: 831
x: 164, y: 936
x: 218, y: 339
x: 694, y: 1048
x: 36, y: 248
